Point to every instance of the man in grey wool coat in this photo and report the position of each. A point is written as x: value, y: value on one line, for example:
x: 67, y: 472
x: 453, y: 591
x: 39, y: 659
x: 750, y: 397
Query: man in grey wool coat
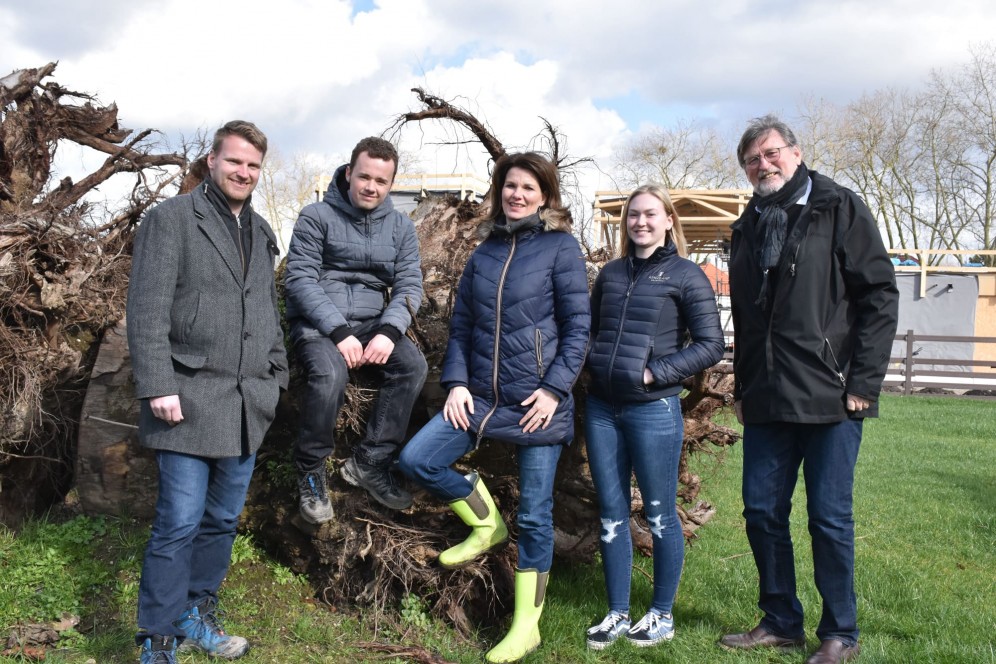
x: 209, y: 362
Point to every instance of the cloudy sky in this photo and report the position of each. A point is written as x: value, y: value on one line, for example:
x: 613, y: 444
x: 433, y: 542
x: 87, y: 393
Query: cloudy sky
x: 316, y: 75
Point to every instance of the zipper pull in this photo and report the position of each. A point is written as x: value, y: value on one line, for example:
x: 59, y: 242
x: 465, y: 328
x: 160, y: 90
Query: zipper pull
x: 792, y: 269
x: 842, y: 380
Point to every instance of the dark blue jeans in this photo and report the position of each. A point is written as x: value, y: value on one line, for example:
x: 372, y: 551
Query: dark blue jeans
x: 186, y: 559
x: 427, y: 458
x: 646, y: 438
x: 772, y: 456
x: 403, y: 375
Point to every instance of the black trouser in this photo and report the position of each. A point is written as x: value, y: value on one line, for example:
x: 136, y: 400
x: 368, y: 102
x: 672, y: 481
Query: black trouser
x: 403, y: 376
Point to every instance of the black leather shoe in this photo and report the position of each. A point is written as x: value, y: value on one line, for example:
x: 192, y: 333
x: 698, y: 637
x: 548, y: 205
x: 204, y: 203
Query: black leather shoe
x: 378, y: 482
x: 833, y: 651
x: 759, y: 637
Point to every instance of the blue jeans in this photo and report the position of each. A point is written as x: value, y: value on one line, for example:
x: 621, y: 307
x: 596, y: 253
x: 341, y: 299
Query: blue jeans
x: 772, y: 456
x: 644, y: 437
x: 427, y: 458
x: 186, y: 559
x: 403, y: 375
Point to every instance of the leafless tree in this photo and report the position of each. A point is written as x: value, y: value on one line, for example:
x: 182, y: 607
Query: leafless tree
x: 686, y: 156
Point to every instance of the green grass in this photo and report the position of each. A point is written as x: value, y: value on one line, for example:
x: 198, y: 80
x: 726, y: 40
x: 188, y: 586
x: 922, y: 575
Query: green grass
x: 925, y: 509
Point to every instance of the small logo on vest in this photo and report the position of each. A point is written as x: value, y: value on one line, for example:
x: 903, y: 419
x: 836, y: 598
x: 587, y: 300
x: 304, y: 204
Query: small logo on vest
x: 659, y: 277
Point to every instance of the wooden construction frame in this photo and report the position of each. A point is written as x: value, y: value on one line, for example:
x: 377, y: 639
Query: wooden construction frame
x: 706, y: 216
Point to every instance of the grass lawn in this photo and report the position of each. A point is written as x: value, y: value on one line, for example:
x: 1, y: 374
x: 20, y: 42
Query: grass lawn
x: 925, y: 509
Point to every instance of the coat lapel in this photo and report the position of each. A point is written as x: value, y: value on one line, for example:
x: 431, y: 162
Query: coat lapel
x: 214, y: 228
x: 264, y: 242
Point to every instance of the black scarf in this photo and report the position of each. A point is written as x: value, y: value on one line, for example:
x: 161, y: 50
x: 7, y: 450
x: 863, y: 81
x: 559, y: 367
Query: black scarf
x: 240, y: 228
x: 772, y: 225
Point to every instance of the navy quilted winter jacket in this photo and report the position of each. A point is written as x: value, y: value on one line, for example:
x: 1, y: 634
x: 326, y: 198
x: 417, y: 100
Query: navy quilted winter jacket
x: 520, y: 322
x: 640, y: 321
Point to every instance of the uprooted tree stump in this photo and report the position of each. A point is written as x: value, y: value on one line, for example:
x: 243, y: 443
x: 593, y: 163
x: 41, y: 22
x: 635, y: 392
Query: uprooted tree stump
x: 63, y: 272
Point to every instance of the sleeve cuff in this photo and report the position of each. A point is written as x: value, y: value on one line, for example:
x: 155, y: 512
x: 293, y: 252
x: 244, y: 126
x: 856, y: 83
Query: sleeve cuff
x: 340, y: 334
x: 560, y: 393
x: 390, y: 332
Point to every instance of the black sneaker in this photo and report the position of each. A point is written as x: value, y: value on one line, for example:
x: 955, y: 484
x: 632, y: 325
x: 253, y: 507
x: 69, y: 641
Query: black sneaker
x: 603, y: 634
x: 378, y: 482
x: 315, y: 504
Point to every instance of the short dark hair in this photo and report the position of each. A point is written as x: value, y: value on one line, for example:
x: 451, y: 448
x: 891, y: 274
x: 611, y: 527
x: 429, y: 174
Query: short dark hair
x: 376, y: 148
x: 757, y: 128
x: 242, y: 129
x: 542, y: 169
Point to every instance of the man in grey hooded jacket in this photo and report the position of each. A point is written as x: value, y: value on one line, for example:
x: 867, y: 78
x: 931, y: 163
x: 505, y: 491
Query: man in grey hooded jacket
x: 354, y: 281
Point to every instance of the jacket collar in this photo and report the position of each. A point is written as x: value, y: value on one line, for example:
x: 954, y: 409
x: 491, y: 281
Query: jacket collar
x: 823, y: 194
x: 660, y: 253
x: 503, y: 227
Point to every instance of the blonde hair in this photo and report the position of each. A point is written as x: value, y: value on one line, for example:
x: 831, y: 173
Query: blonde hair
x: 674, y: 235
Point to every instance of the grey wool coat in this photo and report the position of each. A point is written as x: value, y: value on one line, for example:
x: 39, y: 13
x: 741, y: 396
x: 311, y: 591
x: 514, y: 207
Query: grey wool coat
x: 199, y: 329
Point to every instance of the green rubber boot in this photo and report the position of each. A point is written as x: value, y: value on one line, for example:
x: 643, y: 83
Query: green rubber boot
x: 479, y: 512
x: 523, y: 636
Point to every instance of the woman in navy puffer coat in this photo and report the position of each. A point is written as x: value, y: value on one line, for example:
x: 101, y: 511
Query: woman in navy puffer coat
x: 518, y: 338
x: 644, y: 307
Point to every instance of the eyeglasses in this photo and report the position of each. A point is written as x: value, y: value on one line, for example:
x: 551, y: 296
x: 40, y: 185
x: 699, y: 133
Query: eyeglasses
x: 771, y: 155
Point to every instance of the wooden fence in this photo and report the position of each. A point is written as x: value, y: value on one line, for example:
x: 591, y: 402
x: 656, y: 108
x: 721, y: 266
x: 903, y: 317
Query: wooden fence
x: 911, y: 372
x: 916, y: 372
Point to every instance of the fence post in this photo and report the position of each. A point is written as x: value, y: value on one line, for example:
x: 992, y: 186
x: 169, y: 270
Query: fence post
x: 908, y: 385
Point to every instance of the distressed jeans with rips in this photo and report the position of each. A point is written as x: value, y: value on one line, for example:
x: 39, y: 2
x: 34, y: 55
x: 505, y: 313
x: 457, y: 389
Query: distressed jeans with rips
x: 645, y: 438
x: 827, y: 454
x: 186, y: 559
x: 403, y: 375
x: 428, y: 457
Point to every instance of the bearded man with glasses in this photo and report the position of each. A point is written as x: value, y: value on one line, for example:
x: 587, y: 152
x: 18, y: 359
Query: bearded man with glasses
x: 815, y: 308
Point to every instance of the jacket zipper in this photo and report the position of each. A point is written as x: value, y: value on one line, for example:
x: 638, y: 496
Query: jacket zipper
x: 836, y: 364
x: 369, y: 240
x: 242, y: 248
x: 494, y: 356
x: 539, y: 353
x: 622, y: 322
x: 795, y: 257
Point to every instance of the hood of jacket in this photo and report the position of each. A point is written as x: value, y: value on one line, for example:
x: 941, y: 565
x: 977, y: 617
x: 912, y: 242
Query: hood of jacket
x: 337, y: 195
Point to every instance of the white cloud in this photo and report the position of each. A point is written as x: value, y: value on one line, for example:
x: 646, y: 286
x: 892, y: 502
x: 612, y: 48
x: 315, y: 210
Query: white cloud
x: 317, y: 75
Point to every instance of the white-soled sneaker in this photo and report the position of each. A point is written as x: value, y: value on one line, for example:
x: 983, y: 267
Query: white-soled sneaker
x: 614, y: 625
x: 652, y: 629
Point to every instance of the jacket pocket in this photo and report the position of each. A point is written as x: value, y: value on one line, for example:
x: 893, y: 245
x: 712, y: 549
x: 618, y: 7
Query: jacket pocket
x: 646, y: 365
x: 190, y: 319
x: 539, y: 354
x: 187, y: 364
x: 835, y: 365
